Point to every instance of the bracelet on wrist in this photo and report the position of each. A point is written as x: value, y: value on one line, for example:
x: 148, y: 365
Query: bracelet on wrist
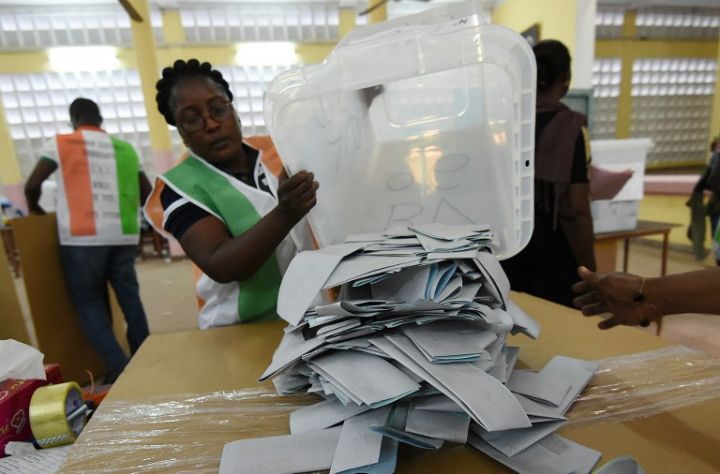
x: 639, y: 298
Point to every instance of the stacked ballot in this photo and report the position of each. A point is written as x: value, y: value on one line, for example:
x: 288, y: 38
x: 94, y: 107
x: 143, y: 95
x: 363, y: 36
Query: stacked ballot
x: 412, y: 350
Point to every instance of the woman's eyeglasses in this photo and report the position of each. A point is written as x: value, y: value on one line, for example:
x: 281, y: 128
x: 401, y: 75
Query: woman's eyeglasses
x: 196, y: 122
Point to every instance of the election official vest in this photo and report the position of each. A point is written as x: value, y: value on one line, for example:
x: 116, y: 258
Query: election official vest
x: 239, y: 206
x: 98, y: 200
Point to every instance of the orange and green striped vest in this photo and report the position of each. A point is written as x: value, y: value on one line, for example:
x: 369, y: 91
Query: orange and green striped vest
x: 239, y: 206
x: 98, y: 200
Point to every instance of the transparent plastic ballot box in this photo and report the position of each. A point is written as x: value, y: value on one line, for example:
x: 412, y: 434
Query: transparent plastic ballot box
x: 621, y: 212
x: 425, y: 118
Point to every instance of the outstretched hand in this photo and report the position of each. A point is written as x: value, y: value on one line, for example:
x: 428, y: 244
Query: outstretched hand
x: 612, y: 293
x: 297, y: 194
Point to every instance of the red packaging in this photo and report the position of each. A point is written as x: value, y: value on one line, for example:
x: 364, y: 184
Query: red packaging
x: 15, y: 398
x: 53, y: 374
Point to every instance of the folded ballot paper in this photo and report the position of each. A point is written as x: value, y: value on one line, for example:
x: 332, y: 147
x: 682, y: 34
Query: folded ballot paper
x: 412, y: 351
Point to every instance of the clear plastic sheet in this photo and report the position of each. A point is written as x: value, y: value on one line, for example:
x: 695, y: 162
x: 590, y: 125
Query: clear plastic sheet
x: 186, y: 433
x: 182, y: 433
x: 645, y: 384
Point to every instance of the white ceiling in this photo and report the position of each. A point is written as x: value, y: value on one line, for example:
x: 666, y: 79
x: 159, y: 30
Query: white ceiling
x: 349, y: 3
x: 175, y: 3
x: 661, y: 3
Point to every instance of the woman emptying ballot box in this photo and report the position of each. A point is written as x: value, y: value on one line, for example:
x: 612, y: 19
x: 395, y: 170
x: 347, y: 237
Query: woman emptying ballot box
x: 229, y: 203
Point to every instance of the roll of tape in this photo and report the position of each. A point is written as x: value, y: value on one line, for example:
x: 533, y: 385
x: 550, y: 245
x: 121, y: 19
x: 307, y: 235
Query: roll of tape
x: 51, y: 408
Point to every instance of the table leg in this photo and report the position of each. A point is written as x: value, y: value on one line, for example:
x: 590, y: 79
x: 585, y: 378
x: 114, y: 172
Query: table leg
x: 663, y: 267
x: 606, y: 255
x: 626, y: 255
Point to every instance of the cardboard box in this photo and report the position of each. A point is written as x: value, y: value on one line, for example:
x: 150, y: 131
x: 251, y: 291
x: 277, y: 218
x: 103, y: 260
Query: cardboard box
x: 50, y: 306
x: 15, y: 398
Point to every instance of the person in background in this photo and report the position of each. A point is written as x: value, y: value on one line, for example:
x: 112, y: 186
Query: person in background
x: 562, y: 237
x: 699, y: 210
x: 632, y: 300
x: 99, y: 194
x: 713, y: 207
x: 229, y: 202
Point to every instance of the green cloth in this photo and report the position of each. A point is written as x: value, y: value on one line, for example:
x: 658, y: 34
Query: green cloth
x: 258, y: 295
x: 127, y: 168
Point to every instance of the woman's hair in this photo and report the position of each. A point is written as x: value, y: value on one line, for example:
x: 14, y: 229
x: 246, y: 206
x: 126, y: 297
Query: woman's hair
x: 180, y: 71
x: 553, y: 63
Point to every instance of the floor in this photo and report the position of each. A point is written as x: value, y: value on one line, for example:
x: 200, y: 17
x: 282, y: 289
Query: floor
x: 168, y: 296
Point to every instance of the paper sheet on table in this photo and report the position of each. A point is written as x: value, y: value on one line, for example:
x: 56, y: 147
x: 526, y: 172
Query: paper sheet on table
x: 551, y: 455
x: 450, y: 340
x: 451, y: 290
x: 499, y: 370
x: 485, y: 399
x: 541, y: 386
x: 361, y: 266
x: 468, y: 292
x: 444, y: 425
x: 490, y: 266
x: 407, y: 285
x: 431, y: 244
x: 387, y: 462
x: 286, y: 384
x: 43, y: 461
x: 511, y: 442
x: 511, y: 356
x: 340, y: 327
x: 576, y: 372
x: 305, y: 277
x: 523, y: 321
x: 410, y: 364
x: 460, y: 254
x: 539, y: 410
x: 437, y: 403
x: 448, y: 232
x: 394, y: 428
x: 287, y: 354
x: 498, y: 320
x: 370, y: 378
x: 440, y: 275
x: 305, y: 452
x: 322, y: 415
x: 358, y: 445
x: 354, y: 307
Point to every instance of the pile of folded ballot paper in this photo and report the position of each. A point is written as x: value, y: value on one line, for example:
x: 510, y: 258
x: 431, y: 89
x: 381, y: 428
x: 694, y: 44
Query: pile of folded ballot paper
x: 412, y: 351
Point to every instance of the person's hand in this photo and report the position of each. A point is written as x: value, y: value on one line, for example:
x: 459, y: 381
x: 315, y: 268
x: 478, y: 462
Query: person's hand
x: 612, y: 293
x: 297, y: 194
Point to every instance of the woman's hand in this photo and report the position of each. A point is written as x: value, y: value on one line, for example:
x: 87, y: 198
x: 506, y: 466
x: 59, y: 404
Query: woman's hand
x: 297, y: 194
